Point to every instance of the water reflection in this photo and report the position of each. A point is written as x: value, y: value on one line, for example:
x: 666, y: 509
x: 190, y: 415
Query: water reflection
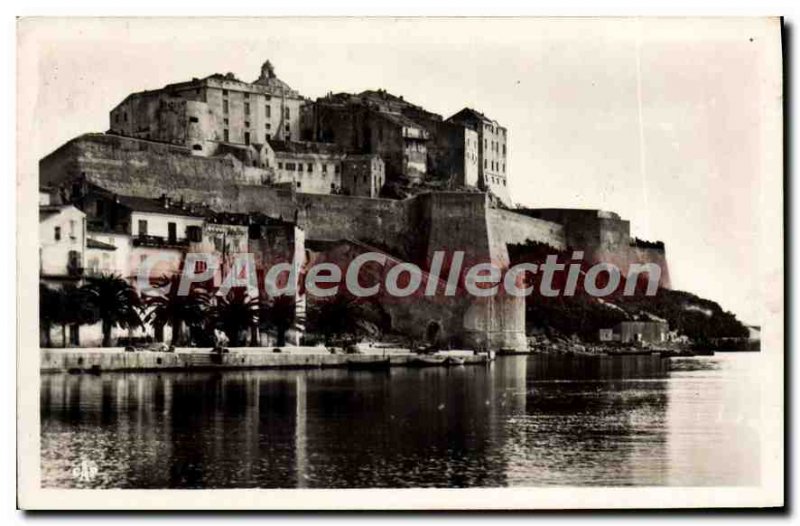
x: 522, y: 421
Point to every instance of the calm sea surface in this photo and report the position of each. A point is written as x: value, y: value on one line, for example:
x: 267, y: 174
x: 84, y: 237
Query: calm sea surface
x: 523, y: 421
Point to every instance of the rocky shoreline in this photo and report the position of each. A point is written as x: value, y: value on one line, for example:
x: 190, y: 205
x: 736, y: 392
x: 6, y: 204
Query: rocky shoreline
x: 574, y: 346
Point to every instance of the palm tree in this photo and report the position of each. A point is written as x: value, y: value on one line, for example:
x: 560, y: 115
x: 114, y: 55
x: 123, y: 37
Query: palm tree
x: 63, y: 307
x: 234, y: 313
x: 49, y: 311
x: 117, y: 303
x: 77, y: 309
x: 168, y: 307
x: 278, y: 314
x: 339, y: 317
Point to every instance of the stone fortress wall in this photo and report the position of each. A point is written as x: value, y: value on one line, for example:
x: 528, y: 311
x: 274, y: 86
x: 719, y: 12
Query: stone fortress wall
x: 410, y: 229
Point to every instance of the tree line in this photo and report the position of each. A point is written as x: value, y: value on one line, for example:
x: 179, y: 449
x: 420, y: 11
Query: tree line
x: 194, y: 317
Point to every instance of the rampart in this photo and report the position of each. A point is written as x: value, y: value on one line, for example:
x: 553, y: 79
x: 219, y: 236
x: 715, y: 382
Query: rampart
x: 411, y: 229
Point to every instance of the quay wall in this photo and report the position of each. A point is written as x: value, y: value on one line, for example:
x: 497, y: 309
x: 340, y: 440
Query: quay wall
x: 116, y: 359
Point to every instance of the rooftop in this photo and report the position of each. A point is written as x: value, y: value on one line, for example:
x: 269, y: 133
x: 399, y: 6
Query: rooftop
x: 472, y: 116
x: 162, y: 205
x: 93, y: 243
x: 266, y: 83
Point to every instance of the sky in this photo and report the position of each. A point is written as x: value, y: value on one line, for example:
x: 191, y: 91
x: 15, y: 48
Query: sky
x: 669, y: 122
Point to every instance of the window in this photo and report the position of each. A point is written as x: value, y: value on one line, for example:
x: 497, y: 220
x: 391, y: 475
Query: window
x: 310, y: 167
x: 280, y: 166
x: 142, y: 227
x: 224, y: 106
x: 99, y: 208
x: 125, y: 116
x: 267, y: 97
x: 246, y: 95
x: 172, y: 232
x: 247, y: 137
x: 290, y: 167
x: 57, y: 233
x: 268, y: 126
x: 286, y: 113
x: 268, y: 111
x: 72, y: 229
x: 226, y: 135
x: 200, y: 267
x: 225, y: 92
x: 247, y: 108
x: 246, y: 124
x: 298, y: 184
x: 73, y: 261
x: 485, y: 163
x: 504, y: 149
x: 266, y: 136
x: 196, y: 147
x: 225, y: 121
x: 194, y: 233
x: 324, y: 168
x: 193, y: 119
x: 485, y: 144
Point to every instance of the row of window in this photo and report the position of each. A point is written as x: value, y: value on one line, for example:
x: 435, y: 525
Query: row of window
x: 493, y: 129
x: 495, y: 146
x: 193, y: 232
x: 495, y: 166
x: 292, y: 167
x: 267, y: 109
x: 246, y: 95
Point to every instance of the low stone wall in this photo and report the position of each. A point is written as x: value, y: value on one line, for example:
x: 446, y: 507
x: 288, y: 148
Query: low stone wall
x: 117, y: 359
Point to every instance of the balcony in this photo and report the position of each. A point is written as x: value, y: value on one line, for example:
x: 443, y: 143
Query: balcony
x: 159, y: 242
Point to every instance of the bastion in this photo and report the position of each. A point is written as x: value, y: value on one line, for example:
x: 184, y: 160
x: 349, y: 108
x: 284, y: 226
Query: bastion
x: 411, y: 229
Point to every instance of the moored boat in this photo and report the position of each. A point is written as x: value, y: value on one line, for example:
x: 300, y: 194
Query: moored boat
x: 368, y: 363
x: 427, y: 361
x: 454, y: 360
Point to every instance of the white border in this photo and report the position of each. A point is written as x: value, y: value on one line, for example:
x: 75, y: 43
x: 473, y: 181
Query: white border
x: 31, y: 497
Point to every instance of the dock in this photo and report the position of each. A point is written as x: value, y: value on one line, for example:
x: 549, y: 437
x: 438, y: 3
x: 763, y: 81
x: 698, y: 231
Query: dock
x: 97, y: 360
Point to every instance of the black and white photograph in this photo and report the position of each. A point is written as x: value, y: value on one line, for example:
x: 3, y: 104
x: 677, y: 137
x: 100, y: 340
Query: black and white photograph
x: 538, y: 261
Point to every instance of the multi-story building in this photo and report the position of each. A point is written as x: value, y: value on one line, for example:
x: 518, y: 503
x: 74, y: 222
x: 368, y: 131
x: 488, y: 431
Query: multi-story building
x: 492, y: 151
x: 203, y: 113
x: 62, y: 244
x: 125, y: 231
x: 363, y: 175
x: 361, y: 124
x: 308, y: 167
x: 453, y: 155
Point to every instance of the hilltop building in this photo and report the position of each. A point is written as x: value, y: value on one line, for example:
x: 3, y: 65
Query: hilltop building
x: 308, y: 167
x: 220, y: 165
x: 492, y: 151
x: 201, y: 114
x: 360, y: 125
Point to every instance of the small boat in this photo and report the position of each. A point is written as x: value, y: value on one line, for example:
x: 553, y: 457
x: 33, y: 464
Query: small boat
x: 368, y: 363
x: 427, y: 361
x: 454, y: 360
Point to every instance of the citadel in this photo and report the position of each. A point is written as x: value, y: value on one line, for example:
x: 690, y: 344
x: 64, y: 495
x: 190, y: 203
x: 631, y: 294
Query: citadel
x: 222, y: 166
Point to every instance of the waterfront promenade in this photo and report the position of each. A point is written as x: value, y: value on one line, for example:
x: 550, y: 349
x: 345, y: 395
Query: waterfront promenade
x: 95, y: 360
